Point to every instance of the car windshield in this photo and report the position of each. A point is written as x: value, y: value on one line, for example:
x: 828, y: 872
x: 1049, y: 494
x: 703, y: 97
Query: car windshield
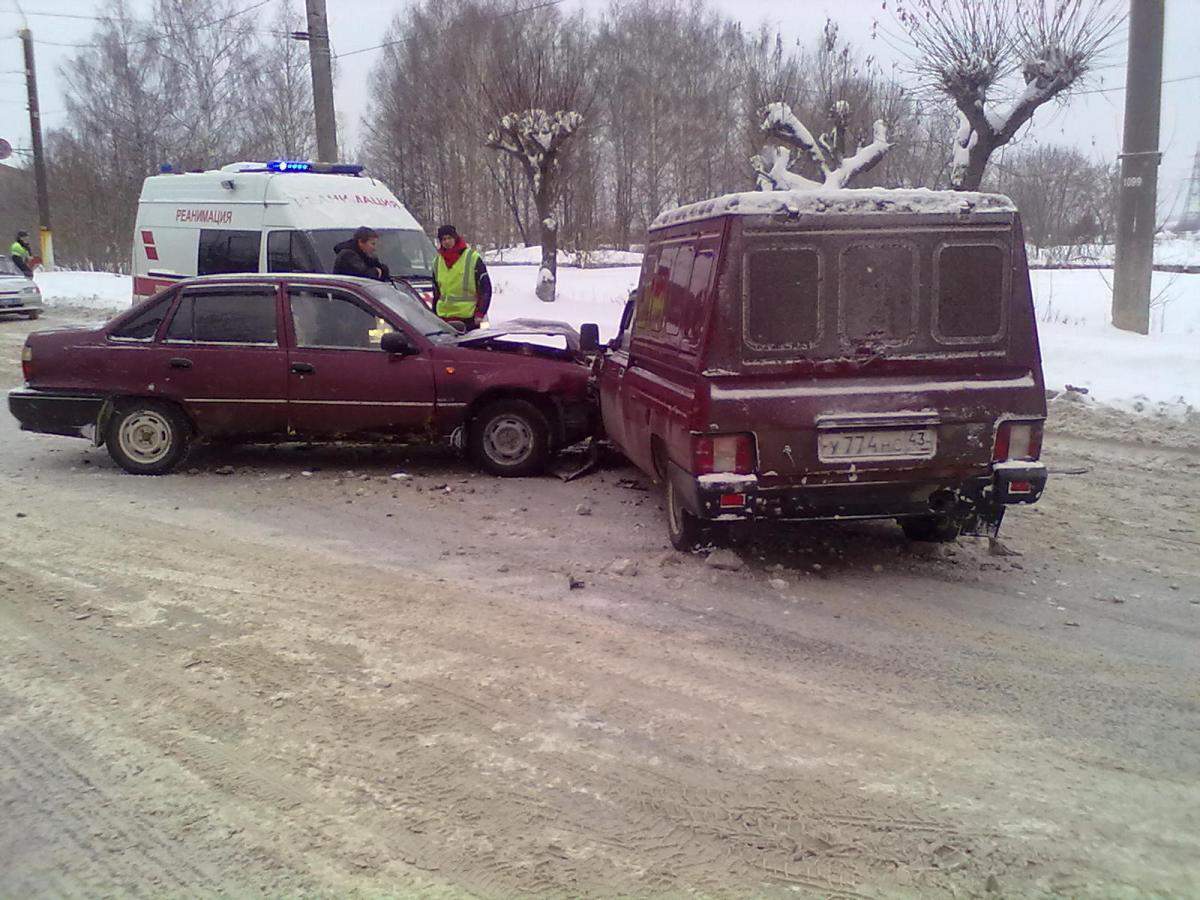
x: 405, y: 304
x: 7, y: 267
x: 406, y: 252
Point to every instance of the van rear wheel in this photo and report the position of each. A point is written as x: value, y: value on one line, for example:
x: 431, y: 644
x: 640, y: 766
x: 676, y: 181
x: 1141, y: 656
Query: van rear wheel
x: 938, y: 529
x: 682, y: 527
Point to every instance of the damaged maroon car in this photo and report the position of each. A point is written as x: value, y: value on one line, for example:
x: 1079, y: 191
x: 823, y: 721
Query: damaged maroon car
x: 267, y: 358
x: 832, y: 355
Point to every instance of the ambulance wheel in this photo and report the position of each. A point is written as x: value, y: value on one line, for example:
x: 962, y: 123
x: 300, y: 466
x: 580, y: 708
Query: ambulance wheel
x: 936, y: 529
x: 510, y: 438
x: 145, y: 437
x: 682, y: 527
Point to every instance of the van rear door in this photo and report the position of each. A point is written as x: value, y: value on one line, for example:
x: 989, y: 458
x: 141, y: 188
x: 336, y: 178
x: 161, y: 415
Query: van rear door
x: 884, y: 352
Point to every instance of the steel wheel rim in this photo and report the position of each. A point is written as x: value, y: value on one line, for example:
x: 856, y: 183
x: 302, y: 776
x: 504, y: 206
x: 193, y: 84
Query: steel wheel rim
x: 145, y: 437
x: 508, y: 440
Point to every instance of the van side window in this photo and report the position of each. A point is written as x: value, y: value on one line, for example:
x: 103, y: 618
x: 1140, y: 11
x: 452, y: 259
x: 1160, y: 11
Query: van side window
x: 659, y: 286
x: 144, y: 325
x: 783, y: 289
x: 702, y: 270
x: 641, y: 316
x: 877, y: 292
x: 226, y: 316
x: 289, y: 251
x: 969, y: 302
x: 678, y: 299
x: 223, y: 252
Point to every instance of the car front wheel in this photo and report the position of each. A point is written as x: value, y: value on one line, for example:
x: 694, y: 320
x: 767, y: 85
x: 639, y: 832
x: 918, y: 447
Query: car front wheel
x: 511, y: 438
x: 147, y: 438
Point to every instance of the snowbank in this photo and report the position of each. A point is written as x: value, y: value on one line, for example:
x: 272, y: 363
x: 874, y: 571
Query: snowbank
x: 532, y: 256
x: 1159, y: 373
x: 1169, y: 250
x: 86, y: 290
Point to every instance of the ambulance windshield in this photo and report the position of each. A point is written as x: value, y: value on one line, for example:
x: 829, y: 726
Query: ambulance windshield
x: 406, y: 252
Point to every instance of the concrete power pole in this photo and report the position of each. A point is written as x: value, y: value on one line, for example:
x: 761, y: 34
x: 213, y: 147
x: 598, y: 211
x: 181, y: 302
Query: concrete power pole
x: 321, y: 64
x: 1138, y: 198
x: 39, y: 156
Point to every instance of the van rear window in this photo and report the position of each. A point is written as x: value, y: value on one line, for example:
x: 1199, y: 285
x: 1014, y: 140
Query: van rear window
x: 970, y: 292
x: 877, y: 293
x: 782, y: 293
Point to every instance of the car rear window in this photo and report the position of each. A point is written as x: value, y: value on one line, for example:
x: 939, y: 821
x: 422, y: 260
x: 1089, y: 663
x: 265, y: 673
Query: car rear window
x: 969, y: 301
x: 231, y: 316
x: 877, y: 292
x: 143, y: 325
x: 782, y: 294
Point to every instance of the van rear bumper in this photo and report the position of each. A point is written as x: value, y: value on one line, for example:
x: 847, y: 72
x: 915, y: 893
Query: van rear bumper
x: 736, y: 498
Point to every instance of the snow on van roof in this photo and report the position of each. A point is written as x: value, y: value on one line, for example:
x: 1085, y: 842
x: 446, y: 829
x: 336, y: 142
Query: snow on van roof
x: 837, y: 201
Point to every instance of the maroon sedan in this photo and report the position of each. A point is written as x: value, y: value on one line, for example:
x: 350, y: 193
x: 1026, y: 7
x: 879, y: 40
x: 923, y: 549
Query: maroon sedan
x: 280, y: 357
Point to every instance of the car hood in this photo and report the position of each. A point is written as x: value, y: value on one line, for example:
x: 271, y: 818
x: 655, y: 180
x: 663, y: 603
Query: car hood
x: 514, y: 329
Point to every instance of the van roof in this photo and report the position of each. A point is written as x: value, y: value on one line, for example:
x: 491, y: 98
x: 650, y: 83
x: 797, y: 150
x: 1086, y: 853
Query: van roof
x: 322, y: 200
x: 843, y: 201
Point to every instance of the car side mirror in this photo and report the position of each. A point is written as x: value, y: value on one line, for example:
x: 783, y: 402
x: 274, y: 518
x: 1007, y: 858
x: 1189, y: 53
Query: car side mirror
x: 397, y: 343
x: 589, y: 337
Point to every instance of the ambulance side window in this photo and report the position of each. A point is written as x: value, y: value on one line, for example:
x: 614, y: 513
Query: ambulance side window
x: 227, y: 251
x: 289, y: 251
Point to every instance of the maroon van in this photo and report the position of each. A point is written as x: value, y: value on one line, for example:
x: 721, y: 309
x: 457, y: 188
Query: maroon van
x: 854, y: 354
x: 314, y: 357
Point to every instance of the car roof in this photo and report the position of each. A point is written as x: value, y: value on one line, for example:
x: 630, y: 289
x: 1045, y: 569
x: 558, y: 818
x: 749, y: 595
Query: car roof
x: 277, y: 277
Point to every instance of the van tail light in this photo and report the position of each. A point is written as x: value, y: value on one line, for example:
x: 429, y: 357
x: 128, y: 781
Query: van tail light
x: 1018, y: 441
x: 27, y: 362
x: 724, y: 453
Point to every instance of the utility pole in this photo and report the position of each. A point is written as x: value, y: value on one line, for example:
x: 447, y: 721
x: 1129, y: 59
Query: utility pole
x: 321, y: 64
x: 39, y: 156
x: 1138, y: 198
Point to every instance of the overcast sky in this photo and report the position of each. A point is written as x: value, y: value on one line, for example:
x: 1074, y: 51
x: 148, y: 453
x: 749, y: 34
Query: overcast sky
x: 1091, y: 122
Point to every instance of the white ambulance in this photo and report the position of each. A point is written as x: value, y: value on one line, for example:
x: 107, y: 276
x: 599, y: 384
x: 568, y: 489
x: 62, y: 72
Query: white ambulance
x: 279, y: 216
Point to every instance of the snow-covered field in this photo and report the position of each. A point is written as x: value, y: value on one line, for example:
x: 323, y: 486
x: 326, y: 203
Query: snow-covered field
x: 1158, y: 374
x: 1169, y: 250
x: 532, y: 256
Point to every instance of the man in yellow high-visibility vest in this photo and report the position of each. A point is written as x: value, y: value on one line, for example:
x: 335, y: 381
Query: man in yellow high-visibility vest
x: 462, y: 289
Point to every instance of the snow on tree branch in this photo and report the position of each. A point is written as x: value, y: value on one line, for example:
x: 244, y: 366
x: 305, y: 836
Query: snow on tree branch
x: 781, y: 124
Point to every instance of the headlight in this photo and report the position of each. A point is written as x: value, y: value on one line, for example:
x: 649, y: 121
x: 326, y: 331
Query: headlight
x: 31, y: 291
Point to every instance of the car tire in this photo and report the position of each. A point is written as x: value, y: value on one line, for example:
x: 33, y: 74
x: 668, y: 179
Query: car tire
x: 33, y: 314
x: 683, y: 528
x: 510, y: 438
x: 936, y: 529
x: 145, y: 437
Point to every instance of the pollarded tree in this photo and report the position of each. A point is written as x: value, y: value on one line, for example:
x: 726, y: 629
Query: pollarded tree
x: 827, y: 151
x: 966, y: 49
x: 536, y: 139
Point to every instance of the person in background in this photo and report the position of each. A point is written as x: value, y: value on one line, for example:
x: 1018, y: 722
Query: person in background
x: 22, y: 253
x: 462, y: 288
x: 357, y: 256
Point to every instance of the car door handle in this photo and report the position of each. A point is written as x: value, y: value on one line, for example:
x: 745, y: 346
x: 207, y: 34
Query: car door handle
x: 179, y: 362
x: 303, y: 368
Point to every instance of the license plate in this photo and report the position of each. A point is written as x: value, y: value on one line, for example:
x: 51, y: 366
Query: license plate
x: 890, y: 443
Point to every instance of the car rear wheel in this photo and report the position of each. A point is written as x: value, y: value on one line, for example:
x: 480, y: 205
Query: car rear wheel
x: 510, y: 438
x: 682, y: 527
x: 147, y: 438
x: 33, y: 314
x: 939, y: 529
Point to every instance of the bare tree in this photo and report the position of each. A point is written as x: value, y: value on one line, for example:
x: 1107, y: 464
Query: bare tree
x: 285, y: 105
x: 534, y: 78
x: 965, y: 49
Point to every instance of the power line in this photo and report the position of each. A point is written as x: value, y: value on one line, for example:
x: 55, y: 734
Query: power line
x: 1122, y: 87
x: 515, y: 12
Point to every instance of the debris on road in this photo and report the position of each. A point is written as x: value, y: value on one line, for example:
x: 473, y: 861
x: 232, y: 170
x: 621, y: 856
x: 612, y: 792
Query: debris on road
x: 724, y: 560
x: 224, y: 470
x: 583, y: 509
x: 625, y: 567
x: 574, y: 583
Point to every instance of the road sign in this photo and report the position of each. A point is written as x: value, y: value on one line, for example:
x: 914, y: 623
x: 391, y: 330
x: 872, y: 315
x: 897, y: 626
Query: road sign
x: 5, y: 149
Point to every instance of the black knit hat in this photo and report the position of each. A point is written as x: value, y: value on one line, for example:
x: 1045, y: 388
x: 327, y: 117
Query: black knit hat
x: 447, y: 231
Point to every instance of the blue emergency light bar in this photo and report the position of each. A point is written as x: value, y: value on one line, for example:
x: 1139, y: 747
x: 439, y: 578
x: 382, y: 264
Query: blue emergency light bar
x: 295, y: 165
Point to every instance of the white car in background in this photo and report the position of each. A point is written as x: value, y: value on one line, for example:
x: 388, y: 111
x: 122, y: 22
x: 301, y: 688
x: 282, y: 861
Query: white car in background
x: 18, y: 294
